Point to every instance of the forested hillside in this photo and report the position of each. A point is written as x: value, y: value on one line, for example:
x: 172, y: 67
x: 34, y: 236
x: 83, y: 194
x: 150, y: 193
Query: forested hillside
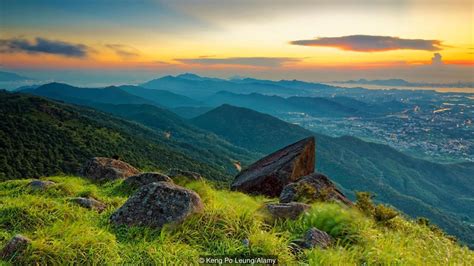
x: 39, y: 137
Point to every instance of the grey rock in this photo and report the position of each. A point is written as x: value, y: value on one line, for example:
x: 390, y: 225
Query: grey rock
x: 174, y: 172
x: 316, y: 238
x: 137, y: 181
x: 287, y: 210
x: 14, y: 247
x: 90, y: 203
x: 41, y: 184
x: 104, y: 169
x: 321, y: 188
x: 270, y: 174
x: 157, y: 204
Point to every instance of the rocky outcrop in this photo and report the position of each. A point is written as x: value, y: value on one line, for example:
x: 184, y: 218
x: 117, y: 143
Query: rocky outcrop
x: 40, y: 184
x: 137, y: 181
x: 314, y: 187
x: 14, y: 247
x: 173, y: 173
x: 287, y: 210
x: 90, y: 203
x: 104, y: 169
x: 269, y: 175
x: 157, y: 204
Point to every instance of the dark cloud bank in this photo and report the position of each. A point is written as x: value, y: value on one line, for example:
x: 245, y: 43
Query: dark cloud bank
x: 371, y: 43
x: 43, y: 46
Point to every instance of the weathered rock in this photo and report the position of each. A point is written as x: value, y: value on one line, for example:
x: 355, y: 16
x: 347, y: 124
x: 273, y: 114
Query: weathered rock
x: 14, y: 247
x: 188, y: 174
x: 269, y: 175
x: 316, y: 238
x: 41, y: 184
x: 137, y: 181
x: 290, y: 210
x: 101, y: 169
x: 157, y: 204
x: 314, y: 187
x: 90, y: 203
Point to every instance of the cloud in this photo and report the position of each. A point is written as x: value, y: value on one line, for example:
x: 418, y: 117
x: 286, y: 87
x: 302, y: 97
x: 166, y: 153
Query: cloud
x: 437, y: 59
x: 242, y: 61
x: 371, y: 43
x: 43, y: 46
x: 123, y: 51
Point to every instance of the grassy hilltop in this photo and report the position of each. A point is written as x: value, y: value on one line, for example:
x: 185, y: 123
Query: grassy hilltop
x: 64, y: 233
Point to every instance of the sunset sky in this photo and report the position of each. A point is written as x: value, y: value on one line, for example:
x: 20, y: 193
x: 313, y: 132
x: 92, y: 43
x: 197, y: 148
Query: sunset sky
x: 319, y: 40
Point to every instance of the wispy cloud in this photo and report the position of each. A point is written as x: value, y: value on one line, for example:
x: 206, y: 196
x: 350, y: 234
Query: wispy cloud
x: 241, y: 61
x: 371, y: 43
x: 124, y: 51
x: 43, y: 46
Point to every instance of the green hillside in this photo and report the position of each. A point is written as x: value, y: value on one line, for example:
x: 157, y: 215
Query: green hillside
x: 65, y: 233
x: 39, y: 137
x: 443, y: 193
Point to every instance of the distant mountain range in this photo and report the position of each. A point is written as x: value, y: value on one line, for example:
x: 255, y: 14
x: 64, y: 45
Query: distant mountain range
x: 340, y: 106
x: 13, y: 77
x: 404, y: 83
x: 195, y: 86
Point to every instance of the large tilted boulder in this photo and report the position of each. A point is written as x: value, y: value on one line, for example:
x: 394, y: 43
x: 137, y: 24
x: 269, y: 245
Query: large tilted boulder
x: 14, y: 247
x: 157, y: 204
x: 314, y: 187
x: 137, y: 181
x: 269, y: 175
x: 290, y: 210
x: 104, y: 169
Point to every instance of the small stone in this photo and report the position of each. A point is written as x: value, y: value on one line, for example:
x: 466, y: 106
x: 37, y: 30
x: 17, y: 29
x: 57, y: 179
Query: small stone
x: 137, y: 181
x: 316, y: 238
x: 287, y: 210
x: 41, y: 184
x: 174, y: 172
x: 90, y: 203
x: 105, y: 169
x: 14, y: 247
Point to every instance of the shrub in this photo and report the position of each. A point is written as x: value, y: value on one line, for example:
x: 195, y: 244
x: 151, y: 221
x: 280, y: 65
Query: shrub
x: 383, y: 213
x: 364, y: 203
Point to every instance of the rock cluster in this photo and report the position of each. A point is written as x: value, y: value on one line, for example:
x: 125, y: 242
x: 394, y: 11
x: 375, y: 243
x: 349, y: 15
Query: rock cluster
x: 289, y: 174
x: 270, y: 174
x: 157, y: 204
x: 105, y: 169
